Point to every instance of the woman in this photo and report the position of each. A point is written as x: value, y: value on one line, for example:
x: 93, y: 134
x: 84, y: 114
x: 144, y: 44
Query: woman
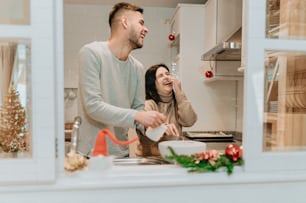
x: 164, y: 94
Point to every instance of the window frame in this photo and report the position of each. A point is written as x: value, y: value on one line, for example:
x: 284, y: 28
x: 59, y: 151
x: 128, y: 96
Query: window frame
x: 41, y: 167
x: 255, y: 44
x: 47, y: 88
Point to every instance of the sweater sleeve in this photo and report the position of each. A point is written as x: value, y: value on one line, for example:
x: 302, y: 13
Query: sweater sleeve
x: 186, y: 114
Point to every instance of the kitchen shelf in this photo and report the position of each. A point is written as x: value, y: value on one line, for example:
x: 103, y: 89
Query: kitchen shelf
x: 217, y: 78
x: 223, y: 52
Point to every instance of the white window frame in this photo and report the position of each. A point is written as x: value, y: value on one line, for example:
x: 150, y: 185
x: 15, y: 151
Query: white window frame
x: 47, y: 88
x: 41, y: 167
x: 255, y: 44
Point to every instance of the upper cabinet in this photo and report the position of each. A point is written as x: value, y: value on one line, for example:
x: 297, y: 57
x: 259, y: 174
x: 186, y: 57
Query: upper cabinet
x: 187, y: 28
x: 223, y: 18
x: 222, y: 38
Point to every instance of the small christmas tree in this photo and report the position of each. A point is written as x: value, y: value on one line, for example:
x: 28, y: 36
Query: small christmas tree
x: 13, y: 132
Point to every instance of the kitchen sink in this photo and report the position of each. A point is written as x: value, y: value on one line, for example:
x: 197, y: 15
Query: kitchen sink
x: 139, y: 161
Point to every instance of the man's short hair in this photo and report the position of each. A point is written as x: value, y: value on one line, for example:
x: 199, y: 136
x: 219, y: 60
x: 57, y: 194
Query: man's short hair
x: 122, y: 6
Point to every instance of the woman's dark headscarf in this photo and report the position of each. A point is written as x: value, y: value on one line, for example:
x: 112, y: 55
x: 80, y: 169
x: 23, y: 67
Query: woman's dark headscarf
x: 151, y: 91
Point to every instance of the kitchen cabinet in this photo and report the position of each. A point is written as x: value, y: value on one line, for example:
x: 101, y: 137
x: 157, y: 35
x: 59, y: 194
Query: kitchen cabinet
x: 223, y: 18
x: 222, y: 42
x: 187, y: 26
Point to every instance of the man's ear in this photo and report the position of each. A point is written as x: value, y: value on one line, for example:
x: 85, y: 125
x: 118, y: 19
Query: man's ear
x: 124, y: 22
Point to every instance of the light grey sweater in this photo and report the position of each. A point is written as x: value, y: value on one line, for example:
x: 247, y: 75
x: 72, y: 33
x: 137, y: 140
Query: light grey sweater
x: 111, y: 92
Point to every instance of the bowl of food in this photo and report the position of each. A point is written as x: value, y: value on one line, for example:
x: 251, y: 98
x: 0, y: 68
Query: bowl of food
x: 180, y: 147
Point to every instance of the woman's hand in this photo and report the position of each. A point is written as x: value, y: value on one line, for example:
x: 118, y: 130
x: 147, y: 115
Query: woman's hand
x: 171, y: 130
x: 176, y: 84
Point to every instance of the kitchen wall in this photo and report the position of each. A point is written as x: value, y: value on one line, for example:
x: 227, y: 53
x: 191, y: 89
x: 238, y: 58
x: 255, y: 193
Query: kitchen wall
x: 215, y: 103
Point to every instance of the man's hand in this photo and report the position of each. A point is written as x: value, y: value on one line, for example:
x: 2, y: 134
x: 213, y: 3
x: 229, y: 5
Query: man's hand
x: 151, y: 119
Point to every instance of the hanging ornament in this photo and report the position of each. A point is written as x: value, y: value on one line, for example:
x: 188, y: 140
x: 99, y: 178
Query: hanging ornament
x: 171, y: 37
x: 209, y: 74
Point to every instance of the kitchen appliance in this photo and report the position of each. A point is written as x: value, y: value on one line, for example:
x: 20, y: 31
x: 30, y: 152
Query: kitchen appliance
x: 215, y: 140
x: 228, y: 50
x: 225, y: 57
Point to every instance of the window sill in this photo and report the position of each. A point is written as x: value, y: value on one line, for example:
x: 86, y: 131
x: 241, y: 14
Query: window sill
x: 119, y: 177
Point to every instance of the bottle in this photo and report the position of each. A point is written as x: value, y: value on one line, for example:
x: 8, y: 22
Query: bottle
x: 173, y: 71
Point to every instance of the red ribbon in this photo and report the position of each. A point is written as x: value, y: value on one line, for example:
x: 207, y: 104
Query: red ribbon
x: 101, y: 146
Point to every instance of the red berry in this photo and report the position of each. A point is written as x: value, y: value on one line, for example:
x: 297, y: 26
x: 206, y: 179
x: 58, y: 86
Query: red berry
x: 233, y: 151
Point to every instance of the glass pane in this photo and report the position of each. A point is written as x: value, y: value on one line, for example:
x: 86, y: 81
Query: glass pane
x: 285, y: 101
x: 15, y: 99
x: 15, y: 12
x: 286, y: 19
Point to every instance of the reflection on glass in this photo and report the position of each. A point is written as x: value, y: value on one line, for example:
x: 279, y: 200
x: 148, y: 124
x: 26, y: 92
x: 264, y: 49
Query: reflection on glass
x: 285, y: 101
x: 15, y: 103
x: 286, y: 19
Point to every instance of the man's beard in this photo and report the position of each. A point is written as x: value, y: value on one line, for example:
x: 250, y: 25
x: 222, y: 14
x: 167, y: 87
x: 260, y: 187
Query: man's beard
x: 135, y: 41
x: 136, y: 44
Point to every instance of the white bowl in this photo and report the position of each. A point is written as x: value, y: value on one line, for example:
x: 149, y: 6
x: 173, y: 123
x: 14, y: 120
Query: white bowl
x: 181, y: 147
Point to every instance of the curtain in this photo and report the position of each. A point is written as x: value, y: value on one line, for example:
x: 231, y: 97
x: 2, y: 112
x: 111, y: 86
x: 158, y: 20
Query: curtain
x: 7, y: 58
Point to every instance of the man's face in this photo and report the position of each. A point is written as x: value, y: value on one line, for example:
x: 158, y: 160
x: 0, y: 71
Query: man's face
x: 137, y: 28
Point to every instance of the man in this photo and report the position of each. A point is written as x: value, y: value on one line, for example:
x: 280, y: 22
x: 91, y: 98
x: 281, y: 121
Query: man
x: 112, y: 88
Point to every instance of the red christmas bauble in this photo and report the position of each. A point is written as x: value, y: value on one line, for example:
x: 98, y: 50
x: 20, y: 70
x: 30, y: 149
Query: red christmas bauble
x: 209, y: 74
x: 233, y: 151
x: 171, y: 37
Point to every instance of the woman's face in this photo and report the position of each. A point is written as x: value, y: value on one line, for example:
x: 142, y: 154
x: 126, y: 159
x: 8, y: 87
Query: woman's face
x: 163, y: 81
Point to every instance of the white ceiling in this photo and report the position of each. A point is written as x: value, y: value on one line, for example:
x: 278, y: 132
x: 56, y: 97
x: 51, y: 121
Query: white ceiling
x: 141, y: 3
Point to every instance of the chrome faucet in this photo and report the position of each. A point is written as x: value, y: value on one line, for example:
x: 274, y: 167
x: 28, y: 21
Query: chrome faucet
x: 75, y: 133
x: 73, y: 160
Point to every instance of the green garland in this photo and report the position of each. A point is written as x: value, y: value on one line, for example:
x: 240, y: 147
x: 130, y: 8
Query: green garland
x: 194, y: 165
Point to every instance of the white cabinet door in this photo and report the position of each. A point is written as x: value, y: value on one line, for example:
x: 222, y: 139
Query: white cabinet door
x: 229, y: 18
x: 210, y: 24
